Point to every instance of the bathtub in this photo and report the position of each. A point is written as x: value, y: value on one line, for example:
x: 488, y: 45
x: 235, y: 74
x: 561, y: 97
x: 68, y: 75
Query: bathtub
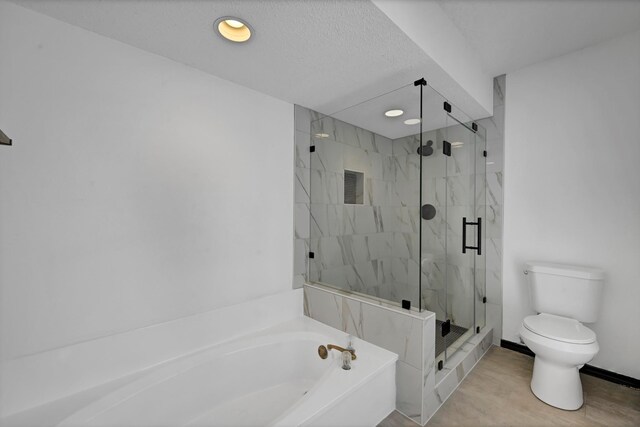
x: 270, y: 378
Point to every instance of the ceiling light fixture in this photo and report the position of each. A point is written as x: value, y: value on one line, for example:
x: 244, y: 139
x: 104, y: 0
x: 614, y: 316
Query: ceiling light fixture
x: 412, y: 121
x: 321, y: 135
x: 233, y: 29
x: 457, y: 144
x: 393, y: 113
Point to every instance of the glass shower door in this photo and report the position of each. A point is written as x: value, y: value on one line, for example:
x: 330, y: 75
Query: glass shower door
x: 464, y: 157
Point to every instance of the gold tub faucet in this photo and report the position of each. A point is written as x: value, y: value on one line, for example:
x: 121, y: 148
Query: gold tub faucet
x: 323, y: 351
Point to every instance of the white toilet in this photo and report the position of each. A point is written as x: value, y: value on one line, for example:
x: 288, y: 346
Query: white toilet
x: 564, y: 296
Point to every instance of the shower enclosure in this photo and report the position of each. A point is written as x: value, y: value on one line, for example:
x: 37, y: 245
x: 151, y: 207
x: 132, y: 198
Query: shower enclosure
x: 397, y: 202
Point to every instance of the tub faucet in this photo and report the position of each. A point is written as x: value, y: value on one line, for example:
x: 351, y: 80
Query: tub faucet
x: 323, y: 351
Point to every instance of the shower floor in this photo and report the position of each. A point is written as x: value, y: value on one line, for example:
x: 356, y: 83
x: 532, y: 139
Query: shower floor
x: 456, y: 332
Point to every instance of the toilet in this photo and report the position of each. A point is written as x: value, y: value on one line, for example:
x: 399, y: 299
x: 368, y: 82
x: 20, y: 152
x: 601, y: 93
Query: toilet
x: 564, y: 296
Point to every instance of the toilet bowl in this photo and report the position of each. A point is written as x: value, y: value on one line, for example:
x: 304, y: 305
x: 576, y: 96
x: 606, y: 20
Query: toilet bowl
x: 563, y: 296
x: 562, y: 346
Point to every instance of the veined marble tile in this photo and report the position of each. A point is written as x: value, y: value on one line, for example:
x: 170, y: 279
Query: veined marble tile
x: 302, y: 185
x: 407, y: 167
x: 409, y: 391
x: 323, y: 125
x: 495, y: 161
x: 434, y: 191
x: 395, y: 332
x: 379, y: 193
x: 499, y: 90
x: 388, y: 168
x: 399, y: 270
x: 356, y: 159
x: 300, y: 250
x: 435, y: 301
x: 434, y: 274
x: 406, y: 145
x: 328, y: 156
x: 384, y: 274
x: 494, y: 254
x: 302, y: 118
x: 355, y: 249
x: 413, y: 277
x: 460, y: 281
x: 388, y: 218
x: 408, y: 192
x: 460, y: 309
x: 492, y: 220
x: 325, y: 307
x: 434, y: 166
x: 382, y: 145
x: 494, y: 286
x: 301, y: 217
x: 329, y: 252
x: 407, y: 220
x: 302, y: 154
x: 494, y: 320
x: 352, y: 319
x: 359, y: 219
x: 326, y: 187
x: 406, y: 245
x: 326, y: 220
x: 494, y: 188
x: 460, y: 190
x: 380, y: 245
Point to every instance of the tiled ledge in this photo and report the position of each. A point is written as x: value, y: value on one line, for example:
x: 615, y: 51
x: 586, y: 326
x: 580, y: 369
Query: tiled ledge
x: 373, y: 301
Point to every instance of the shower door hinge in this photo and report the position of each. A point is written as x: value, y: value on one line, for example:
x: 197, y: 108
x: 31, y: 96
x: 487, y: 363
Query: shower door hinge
x: 447, y: 107
x: 4, y: 139
x: 477, y: 329
x: 484, y: 153
x: 474, y: 126
x: 406, y: 304
x: 312, y: 255
x: 440, y: 365
x: 446, y: 328
x: 420, y: 82
x: 446, y: 148
x: 312, y: 148
x: 484, y: 300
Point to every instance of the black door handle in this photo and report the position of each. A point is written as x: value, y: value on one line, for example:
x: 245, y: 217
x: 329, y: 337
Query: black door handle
x: 478, y: 223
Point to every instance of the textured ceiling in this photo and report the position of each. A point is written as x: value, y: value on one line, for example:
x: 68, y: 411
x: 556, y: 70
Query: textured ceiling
x: 330, y: 54
x: 509, y: 35
x: 326, y: 55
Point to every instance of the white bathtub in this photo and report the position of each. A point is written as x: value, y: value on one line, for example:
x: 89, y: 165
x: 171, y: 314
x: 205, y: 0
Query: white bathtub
x: 273, y: 377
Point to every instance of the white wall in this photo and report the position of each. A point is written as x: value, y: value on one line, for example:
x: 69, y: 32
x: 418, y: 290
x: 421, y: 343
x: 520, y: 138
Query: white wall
x: 138, y: 189
x: 457, y: 71
x: 572, y: 185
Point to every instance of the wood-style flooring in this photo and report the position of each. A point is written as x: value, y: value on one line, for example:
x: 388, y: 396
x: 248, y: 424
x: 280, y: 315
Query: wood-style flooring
x: 497, y: 393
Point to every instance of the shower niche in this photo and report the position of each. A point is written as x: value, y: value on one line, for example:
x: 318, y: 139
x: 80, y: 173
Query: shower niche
x: 397, y: 198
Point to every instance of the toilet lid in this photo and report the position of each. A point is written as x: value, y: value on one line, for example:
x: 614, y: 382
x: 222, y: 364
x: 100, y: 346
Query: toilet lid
x: 559, y: 328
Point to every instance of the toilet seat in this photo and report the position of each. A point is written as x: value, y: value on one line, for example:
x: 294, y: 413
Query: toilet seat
x: 559, y: 328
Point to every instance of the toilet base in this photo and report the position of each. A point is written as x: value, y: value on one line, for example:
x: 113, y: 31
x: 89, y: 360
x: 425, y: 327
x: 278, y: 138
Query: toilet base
x: 557, y: 385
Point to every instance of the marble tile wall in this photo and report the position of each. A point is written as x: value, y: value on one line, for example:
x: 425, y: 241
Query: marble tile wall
x: 493, y: 217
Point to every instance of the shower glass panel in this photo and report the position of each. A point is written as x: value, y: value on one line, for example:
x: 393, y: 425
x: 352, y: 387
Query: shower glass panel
x: 365, y: 199
x: 397, y: 208
x: 464, y: 159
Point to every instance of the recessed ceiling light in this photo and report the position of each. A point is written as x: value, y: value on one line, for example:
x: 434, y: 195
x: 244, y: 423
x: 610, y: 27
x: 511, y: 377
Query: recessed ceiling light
x: 457, y: 144
x: 412, y: 121
x: 321, y: 135
x: 394, y: 113
x: 233, y: 29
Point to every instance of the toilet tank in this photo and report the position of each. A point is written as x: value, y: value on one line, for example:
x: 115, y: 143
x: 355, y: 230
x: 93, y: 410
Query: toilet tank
x: 565, y: 290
